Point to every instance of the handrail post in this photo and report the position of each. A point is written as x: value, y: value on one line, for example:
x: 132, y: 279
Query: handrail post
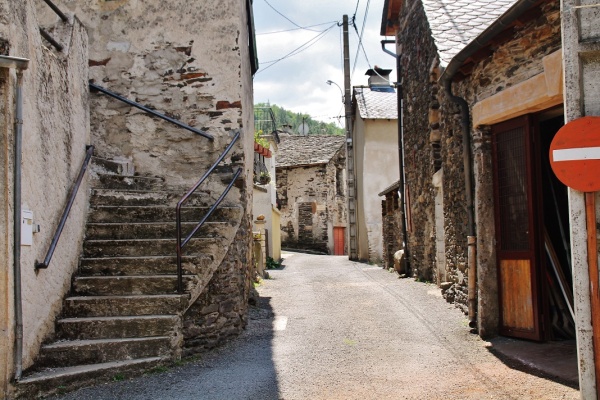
x: 66, y: 211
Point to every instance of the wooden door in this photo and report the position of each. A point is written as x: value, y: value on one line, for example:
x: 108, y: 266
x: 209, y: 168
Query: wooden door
x: 516, y: 229
x: 339, y: 235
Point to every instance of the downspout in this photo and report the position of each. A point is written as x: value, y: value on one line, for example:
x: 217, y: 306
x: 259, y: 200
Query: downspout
x: 497, y: 27
x: 20, y: 64
x: 17, y: 228
x: 400, y: 149
x: 465, y: 124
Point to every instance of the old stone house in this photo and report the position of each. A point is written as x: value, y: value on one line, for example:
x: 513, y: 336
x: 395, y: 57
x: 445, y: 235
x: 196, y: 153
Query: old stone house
x: 266, y: 215
x: 311, y: 193
x: 112, y: 299
x: 375, y: 137
x: 482, y: 93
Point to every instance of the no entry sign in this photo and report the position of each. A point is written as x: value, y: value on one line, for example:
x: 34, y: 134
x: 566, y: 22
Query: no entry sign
x: 575, y: 154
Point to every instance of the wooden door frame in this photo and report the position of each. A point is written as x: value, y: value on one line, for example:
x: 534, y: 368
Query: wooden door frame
x: 535, y: 218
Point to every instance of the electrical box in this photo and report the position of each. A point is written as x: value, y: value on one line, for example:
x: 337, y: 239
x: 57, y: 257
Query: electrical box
x: 26, y: 228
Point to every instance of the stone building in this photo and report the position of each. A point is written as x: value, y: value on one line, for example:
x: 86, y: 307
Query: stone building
x: 375, y: 136
x: 476, y: 159
x: 391, y: 216
x: 112, y: 298
x: 311, y: 193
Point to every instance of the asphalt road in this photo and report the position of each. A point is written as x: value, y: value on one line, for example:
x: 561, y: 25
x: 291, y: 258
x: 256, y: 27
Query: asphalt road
x: 329, y: 328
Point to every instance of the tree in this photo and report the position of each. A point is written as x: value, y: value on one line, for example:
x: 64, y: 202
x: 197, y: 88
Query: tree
x: 286, y: 117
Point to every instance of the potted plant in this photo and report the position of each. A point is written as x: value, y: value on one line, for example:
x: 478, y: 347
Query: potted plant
x: 264, y: 178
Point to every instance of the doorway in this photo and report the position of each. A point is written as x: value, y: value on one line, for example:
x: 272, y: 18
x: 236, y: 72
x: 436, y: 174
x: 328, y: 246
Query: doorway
x: 532, y: 248
x: 339, y: 245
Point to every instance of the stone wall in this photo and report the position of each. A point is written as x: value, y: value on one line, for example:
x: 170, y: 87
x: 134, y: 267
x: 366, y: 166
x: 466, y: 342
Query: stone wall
x: 190, y: 61
x: 55, y: 134
x: 392, y: 227
x: 516, y: 59
x: 187, y: 60
x: 311, y: 204
x: 418, y: 53
x: 220, y: 313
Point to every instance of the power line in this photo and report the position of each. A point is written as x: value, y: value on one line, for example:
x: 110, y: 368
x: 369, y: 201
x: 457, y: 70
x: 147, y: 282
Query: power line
x: 299, y: 49
x: 360, y: 37
x: 274, y: 9
x: 295, y: 29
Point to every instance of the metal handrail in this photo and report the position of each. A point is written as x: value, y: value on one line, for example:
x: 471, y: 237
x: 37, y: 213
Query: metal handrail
x: 149, y: 111
x: 51, y: 40
x: 57, y: 10
x: 180, y: 244
x: 66, y: 211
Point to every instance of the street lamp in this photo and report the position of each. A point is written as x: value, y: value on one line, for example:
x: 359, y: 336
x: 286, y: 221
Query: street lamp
x: 329, y: 82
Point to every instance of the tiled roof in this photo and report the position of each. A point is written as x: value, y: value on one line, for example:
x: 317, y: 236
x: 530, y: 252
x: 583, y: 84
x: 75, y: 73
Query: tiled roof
x: 376, y: 105
x: 455, y: 23
x: 296, y: 150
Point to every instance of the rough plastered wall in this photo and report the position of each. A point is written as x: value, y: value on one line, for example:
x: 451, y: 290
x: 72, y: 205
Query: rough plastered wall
x: 190, y: 61
x: 377, y: 157
x: 418, y: 53
x: 184, y: 59
x: 55, y: 133
x: 515, y: 60
x: 311, y: 204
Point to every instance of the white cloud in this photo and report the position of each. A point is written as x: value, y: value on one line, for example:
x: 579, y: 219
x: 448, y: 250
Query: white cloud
x: 298, y: 83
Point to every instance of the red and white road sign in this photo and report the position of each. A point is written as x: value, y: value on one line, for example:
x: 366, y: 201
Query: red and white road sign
x: 575, y: 154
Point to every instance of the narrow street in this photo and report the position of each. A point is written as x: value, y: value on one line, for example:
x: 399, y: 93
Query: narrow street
x: 328, y: 328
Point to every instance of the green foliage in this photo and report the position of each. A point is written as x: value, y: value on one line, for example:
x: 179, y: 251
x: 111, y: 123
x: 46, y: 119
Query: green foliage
x: 272, y: 264
x: 283, y: 116
x: 119, y: 377
x: 261, y: 140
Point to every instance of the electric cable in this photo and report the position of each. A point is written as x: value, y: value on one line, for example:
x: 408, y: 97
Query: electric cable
x: 295, y: 29
x: 297, y: 50
x: 274, y: 9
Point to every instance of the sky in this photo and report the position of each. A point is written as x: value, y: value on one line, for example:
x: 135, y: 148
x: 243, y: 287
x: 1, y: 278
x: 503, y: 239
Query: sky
x: 298, y: 82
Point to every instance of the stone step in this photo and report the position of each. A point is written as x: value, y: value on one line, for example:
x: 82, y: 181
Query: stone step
x: 151, y: 230
x: 116, y: 197
x: 144, y: 247
x: 112, y: 167
x: 109, y: 266
x: 55, y: 380
x: 158, y: 214
x: 128, y: 285
x: 82, y: 352
x: 116, y: 327
x: 112, y: 181
x: 111, y: 306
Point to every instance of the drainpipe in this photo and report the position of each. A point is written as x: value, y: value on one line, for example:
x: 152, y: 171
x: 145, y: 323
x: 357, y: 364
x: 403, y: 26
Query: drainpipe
x: 400, y: 148
x: 20, y: 64
x: 502, y: 23
x: 465, y: 123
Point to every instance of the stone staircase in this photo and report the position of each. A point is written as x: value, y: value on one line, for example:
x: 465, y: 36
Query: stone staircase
x: 123, y: 314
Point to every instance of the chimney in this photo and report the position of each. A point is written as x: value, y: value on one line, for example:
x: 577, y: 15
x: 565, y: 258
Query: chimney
x: 379, y: 77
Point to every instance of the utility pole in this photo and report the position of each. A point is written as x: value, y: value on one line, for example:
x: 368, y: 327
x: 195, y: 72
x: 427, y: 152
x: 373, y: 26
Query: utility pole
x: 581, y: 52
x: 351, y: 181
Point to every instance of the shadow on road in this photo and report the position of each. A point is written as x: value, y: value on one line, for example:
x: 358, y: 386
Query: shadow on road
x: 555, y: 361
